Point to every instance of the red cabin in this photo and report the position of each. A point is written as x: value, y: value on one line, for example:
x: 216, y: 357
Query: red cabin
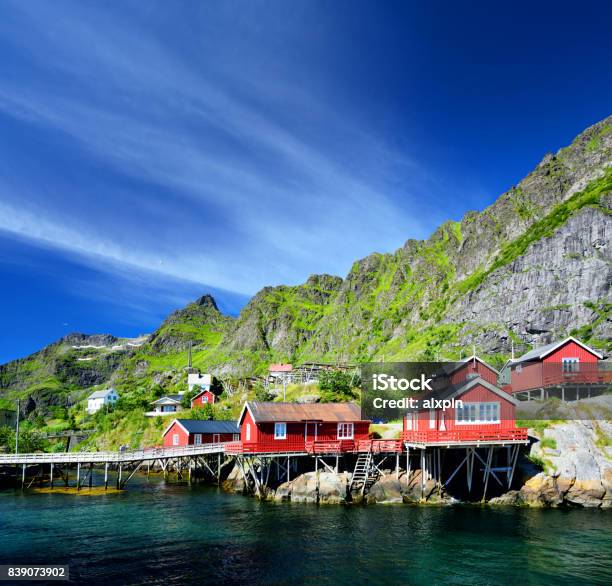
x: 295, y: 427
x: 486, y: 414
x: 566, y: 365
x: 186, y: 432
x: 204, y: 397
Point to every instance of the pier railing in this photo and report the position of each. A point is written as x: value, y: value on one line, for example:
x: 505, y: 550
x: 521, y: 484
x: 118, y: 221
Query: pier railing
x: 465, y: 436
x: 112, y: 457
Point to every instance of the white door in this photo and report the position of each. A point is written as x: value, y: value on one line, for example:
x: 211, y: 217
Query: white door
x: 197, y: 439
x: 216, y: 438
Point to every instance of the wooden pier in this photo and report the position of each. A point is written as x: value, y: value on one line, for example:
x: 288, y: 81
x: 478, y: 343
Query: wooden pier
x: 125, y: 463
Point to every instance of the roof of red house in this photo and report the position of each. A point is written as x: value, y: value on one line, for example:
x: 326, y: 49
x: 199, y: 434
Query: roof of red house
x: 543, y: 351
x: 467, y: 360
x: 263, y: 412
x: 452, y: 391
x: 205, y: 426
x: 280, y: 367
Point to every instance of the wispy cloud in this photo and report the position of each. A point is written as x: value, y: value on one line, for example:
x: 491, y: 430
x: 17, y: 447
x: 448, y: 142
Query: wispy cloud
x: 226, y: 180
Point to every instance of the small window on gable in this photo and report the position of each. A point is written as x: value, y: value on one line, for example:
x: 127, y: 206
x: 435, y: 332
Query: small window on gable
x: 570, y: 364
x: 175, y: 439
x: 280, y: 431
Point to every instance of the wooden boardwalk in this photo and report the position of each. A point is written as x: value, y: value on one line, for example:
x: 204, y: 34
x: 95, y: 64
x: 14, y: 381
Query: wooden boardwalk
x: 116, y: 457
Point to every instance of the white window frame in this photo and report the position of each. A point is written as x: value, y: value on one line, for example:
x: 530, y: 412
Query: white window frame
x: 478, y: 413
x: 280, y: 430
x: 197, y: 439
x: 570, y: 364
x: 175, y: 439
x: 248, y: 432
x: 236, y: 437
x: 432, y: 419
x: 343, y: 432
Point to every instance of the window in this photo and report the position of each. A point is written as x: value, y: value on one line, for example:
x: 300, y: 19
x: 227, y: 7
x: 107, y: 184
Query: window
x: 248, y: 432
x: 236, y: 437
x: 477, y: 413
x: 570, y: 364
x: 204, y: 399
x: 197, y: 439
x: 432, y: 419
x: 345, y: 431
x: 280, y: 431
x: 216, y: 438
x: 175, y: 439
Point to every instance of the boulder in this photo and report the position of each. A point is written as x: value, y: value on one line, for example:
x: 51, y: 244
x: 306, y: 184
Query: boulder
x: 315, y: 487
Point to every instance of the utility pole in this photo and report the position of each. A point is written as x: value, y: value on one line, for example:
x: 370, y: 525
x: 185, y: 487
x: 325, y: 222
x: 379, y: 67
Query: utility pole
x: 17, y: 430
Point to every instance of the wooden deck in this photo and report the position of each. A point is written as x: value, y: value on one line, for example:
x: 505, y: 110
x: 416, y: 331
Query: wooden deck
x: 465, y: 437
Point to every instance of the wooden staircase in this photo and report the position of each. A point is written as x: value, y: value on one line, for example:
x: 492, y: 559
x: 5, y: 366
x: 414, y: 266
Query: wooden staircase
x: 364, y: 473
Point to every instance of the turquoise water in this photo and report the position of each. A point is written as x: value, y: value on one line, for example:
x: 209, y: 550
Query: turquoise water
x: 175, y: 534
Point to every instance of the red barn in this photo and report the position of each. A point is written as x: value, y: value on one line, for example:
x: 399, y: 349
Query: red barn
x: 204, y: 397
x: 486, y: 414
x: 295, y: 427
x: 185, y: 432
x: 569, y: 363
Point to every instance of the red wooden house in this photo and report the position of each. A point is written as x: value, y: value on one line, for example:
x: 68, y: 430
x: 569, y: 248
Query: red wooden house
x: 204, y: 397
x: 185, y: 432
x: 486, y: 415
x: 568, y: 365
x: 293, y: 427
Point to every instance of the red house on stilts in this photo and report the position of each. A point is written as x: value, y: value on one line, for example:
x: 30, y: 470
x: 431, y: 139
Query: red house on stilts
x: 568, y: 370
x: 486, y: 413
x: 267, y: 427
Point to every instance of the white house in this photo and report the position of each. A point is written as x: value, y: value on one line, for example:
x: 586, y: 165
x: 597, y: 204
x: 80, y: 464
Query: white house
x: 203, y: 381
x: 98, y: 399
x: 166, y: 405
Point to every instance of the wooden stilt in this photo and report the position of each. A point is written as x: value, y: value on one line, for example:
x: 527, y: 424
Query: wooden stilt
x: 397, y: 456
x: 23, y: 470
x: 78, y: 476
x: 487, y: 473
x: 90, y: 475
x: 439, y: 473
x: 422, y: 473
x: 67, y: 474
x: 51, y: 475
x: 288, y: 465
x: 470, y: 467
x: 337, y: 459
x: 407, y: 463
x: 106, y: 476
x: 119, y: 473
x: 514, y: 460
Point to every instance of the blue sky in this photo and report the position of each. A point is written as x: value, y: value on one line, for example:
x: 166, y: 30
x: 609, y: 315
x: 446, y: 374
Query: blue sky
x: 154, y: 151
